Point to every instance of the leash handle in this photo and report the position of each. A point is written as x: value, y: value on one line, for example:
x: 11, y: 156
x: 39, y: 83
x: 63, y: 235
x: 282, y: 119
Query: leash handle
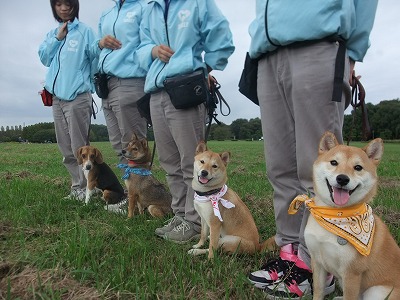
x: 358, y: 100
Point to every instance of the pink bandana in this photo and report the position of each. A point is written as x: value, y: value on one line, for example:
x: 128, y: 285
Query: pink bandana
x: 215, y: 198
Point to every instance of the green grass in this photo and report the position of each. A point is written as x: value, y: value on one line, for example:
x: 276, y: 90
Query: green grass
x: 123, y: 259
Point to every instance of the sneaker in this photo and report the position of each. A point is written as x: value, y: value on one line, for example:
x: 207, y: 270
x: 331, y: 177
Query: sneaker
x: 296, y: 284
x: 273, y: 270
x: 182, y: 233
x: 171, y: 224
x: 119, y: 208
x: 76, y: 194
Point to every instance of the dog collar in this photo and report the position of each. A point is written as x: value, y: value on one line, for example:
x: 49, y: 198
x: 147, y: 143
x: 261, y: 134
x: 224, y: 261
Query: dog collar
x: 130, y: 170
x: 208, y: 193
x: 215, y: 198
x: 356, y: 223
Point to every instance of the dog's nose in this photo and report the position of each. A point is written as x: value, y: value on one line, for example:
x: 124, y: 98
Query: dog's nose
x: 123, y: 151
x: 342, y: 179
x: 88, y: 167
x: 204, y: 173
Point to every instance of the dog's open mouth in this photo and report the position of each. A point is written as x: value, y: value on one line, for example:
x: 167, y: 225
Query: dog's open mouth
x: 203, y: 180
x: 339, y: 196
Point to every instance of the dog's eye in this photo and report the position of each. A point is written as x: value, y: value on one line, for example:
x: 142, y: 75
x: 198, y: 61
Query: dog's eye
x: 202, y: 161
x: 214, y: 166
x: 91, y: 156
x: 358, y: 168
x: 334, y: 163
x: 83, y: 155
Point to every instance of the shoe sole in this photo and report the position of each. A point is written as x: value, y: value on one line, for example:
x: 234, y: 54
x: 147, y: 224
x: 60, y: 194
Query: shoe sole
x: 197, y: 236
x: 328, y: 290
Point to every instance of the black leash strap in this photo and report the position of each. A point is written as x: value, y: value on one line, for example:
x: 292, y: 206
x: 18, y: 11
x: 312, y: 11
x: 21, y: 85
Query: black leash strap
x: 358, y: 100
x: 215, y: 98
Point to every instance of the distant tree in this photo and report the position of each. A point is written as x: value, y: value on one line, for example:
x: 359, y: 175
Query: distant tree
x: 29, y: 132
x: 2, y: 128
x: 236, y: 128
x: 44, y: 135
x: 221, y: 133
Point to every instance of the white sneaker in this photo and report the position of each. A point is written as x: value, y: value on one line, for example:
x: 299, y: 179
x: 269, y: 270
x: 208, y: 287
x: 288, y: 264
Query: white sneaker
x: 119, y: 208
x: 77, y: 194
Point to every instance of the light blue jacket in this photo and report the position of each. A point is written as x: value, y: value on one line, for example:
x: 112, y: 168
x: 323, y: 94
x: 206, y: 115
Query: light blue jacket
x: 195, y: 28
x: 70, y: 61
x: 289, y: 21
x: 123, y: 23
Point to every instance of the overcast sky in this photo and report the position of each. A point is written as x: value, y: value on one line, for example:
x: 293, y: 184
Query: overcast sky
x: 24, y: 25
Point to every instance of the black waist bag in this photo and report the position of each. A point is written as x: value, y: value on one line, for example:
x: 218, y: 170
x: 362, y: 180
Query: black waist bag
x: 101, y: 85
x: 186, y: 91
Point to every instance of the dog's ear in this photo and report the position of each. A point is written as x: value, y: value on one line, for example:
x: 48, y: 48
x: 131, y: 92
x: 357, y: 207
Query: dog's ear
x: 225, y: 156
x: 144, y: 143
x: 201, y: 147
x: 374, y: 150
x: 79, y: 155
x: 98, y: 157
x: 327, y: 142
x: 134, y: 137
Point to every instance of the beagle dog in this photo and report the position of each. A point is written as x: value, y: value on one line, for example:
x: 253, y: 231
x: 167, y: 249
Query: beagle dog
x: 99, y: 175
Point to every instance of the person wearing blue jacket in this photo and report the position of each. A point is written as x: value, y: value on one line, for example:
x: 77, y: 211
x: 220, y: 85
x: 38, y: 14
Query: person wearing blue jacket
x: 306, y: 52
x: 179, y: 37
x: 66, y: 53
x: 118, y: 40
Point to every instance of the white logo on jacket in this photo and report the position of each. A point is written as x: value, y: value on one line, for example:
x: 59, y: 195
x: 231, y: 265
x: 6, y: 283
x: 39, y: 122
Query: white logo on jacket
x: 183, y: 15
x: 130, y: 17
x: 73, y: 45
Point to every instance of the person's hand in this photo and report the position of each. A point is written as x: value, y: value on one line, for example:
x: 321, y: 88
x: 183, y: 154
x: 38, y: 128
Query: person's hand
x: 162, y: 52
x: 352, y: 73
x: 109, y: 42
x: 62, y: 31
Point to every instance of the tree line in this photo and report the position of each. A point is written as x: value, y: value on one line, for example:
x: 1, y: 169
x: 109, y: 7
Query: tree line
x: 384, y: 119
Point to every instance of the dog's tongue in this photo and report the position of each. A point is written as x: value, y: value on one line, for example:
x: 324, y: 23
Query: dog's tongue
x: 203, y: 180
x: 340, y: 196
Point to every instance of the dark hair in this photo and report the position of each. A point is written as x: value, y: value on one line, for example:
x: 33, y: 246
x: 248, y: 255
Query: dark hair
x: 74, y: 8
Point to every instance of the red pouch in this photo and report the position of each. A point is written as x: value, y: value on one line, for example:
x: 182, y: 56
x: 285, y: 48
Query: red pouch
x: 47, y: 98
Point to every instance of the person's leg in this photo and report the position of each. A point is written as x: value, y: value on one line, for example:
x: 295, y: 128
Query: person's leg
x: 315, y: 112
x: 308, y: 90
x: 110, y: 106
x: 177, y: 133
x: 79, y: 119
x: 70, y: 140
x: 129, y: 91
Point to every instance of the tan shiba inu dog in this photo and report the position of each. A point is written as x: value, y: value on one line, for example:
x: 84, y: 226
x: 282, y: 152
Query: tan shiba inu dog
x: 223, y: 214
x: 343, y: 236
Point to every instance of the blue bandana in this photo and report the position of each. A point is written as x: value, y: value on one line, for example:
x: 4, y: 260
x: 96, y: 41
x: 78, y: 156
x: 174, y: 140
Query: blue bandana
x: 137, y: 171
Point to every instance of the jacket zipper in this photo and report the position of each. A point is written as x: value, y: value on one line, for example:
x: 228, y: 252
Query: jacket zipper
x: 166, y: 31
x: 115, y: 21
x: 59, y: 65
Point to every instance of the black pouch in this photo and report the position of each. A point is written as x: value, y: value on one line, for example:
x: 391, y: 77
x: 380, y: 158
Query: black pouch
x: 143, y: 106
x: 101, y: 85
x: 187, y: 90
x: 248, y: 80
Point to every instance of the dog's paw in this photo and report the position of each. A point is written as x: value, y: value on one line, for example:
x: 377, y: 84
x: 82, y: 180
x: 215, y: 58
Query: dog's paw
x: 195, y: 252
x: 197, y: 246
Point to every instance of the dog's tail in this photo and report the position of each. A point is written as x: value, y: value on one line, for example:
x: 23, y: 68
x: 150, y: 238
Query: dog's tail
x: 269, y: 245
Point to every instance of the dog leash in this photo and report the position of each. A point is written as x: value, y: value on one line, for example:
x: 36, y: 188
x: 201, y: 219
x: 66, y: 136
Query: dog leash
x: 358, y: 100
x: 215, y: 98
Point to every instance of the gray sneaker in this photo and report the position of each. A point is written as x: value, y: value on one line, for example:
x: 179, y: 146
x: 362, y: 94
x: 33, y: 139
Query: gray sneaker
x: 77, y: 194
x: 182, y: 233
x: 171, y: 223
x: 119, y: 208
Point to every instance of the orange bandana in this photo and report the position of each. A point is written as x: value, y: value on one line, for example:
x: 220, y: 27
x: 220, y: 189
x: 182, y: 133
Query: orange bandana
x: 356, y: 223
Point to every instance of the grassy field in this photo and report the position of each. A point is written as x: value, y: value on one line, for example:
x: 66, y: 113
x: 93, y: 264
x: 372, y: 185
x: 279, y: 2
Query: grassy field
x: 51, y: 248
